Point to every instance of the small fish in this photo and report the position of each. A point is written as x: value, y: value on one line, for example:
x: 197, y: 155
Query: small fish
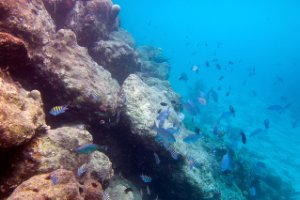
x: 202, y: 101
x: 163, y: 104
x: 244, y: 139
x: 89, y: 148
x: 226, y: 163
x: 218, y: 66
x: 81, y: 170
x: 163, y: 116
x: 128, y: 190
x: 221, y: 78
x: 207, y: 64
x: 230, y: 63
x: 157, y: 160
x: 146, y: 179
x: 267, y: 123
x: 106, y: 195
x: 195, y: 69
x: 148, y: 190
x: 102, y: 121
x: 227, y: 93
x: 54, y: 179
x: 232, y: 110
x: 183, y: 77
x: 57, y: 110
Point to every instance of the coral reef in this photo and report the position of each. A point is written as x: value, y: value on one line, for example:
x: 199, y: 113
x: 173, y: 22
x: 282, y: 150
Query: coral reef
x: 21, y: 113
x: 59, y: 184
x: 154, y: 64
x: 55, y: 150
x: 117, y: 56
x: 143, y: 104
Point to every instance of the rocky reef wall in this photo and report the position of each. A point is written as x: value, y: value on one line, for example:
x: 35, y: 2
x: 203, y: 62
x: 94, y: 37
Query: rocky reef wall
x: 74, y: 54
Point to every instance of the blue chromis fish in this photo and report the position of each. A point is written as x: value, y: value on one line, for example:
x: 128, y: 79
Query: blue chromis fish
x: 57, y: 110
x: 89, y: 148
x: 267, y: 123
x: 163, y: 116
x: 81, y: 170
x: 54, y: 179
x: 157, y: 160
x: 146, y: 179
x: 226, y: 163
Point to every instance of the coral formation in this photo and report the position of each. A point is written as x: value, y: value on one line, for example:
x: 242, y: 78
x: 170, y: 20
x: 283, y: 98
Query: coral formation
x: 21, y: 114
x: 65, y: 186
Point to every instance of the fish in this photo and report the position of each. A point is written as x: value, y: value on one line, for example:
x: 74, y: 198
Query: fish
x: 207, y: 64
x: 221, y: 78
x: 57, y: 110
x: 256, y: 132
x: 226, y: 163
x: 230, y: 63
x: 164, y: 135
x: 128, y: 190
x: 214, y: 95
x: 218, y: 66
x: 202, y: 101
x: 244, y: 139
x: 173, y: 152
x: 195, y: 68
x: 192, y: 138
x: 163, y: 116
x: 267, y: 123
x: 106, y: 195
x: 54, y: 179
x: 183, y: 77
x: 232, y: 110
x: 89, y: 148
x: 157, y: 160
x: 252, y: 191
x: 148, y: 190
x: 146, y: 179
x: 227, y: 93
x: 81, y: 170
x: 163, y: 104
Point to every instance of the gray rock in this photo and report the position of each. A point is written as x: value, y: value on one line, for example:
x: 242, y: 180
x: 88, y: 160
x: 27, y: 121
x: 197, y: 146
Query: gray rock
x: 100, y: 167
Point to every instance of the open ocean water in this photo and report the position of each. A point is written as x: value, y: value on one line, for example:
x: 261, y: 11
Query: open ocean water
x: 256, y: 45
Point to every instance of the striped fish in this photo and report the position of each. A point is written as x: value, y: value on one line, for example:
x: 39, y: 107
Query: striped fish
x: 81, y: 170
x: 57, y: 110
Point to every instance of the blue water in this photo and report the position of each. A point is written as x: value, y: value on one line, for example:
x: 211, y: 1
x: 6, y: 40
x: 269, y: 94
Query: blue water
x: 252, y: 34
